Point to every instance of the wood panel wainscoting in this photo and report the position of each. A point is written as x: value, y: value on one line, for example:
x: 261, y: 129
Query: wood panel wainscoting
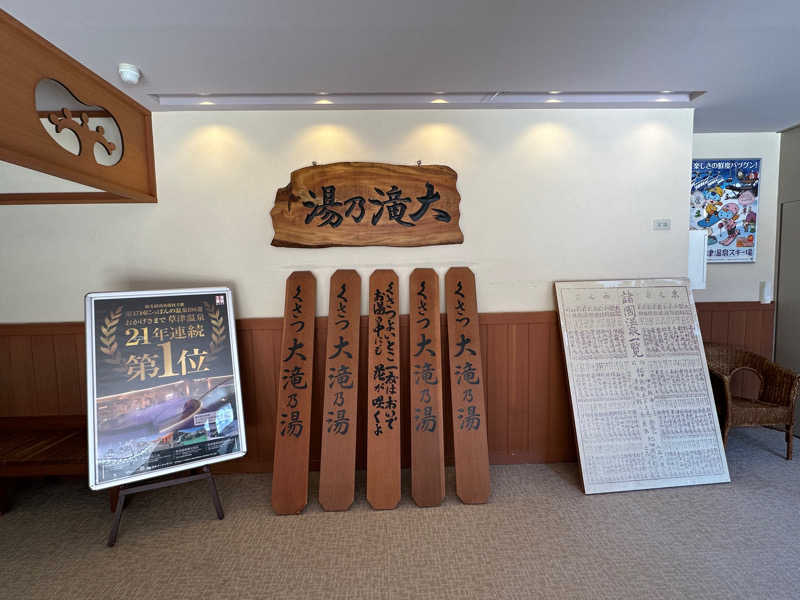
x: 42, y: 373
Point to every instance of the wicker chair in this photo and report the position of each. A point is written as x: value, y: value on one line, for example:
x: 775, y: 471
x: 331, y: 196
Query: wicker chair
x: 773, y: 404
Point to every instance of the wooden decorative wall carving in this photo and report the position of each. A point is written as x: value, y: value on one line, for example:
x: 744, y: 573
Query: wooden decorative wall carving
x: 368, y: 204
x: 27, y: 58
x: 87, y: 136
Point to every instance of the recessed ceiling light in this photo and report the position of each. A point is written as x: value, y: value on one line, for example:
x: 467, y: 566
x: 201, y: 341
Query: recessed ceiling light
x: 322, y: 93
x: 666, y: 91
x: 403, y: 100
x: 554, y: 92
x: 438, y: 92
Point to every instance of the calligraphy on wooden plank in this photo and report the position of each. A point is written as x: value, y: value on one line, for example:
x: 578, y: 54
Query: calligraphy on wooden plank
x: 383, y: 385
x: 466, y: 387
x: 425, y: 381
x: 368, y: 204
x: 338, y: 462
x: 293, y: 410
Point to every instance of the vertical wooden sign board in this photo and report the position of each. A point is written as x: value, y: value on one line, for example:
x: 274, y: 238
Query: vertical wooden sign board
x: 383, y: 384
x: 427, y: 441
x: 466, y: 387
x: 338, y: 466
x: 293, y: 408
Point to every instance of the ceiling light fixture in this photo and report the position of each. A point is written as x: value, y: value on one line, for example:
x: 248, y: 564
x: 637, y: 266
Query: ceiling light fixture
x: 497, y: 99
x: 554, y: 92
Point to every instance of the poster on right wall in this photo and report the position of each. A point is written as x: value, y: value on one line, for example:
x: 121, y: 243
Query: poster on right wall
x: 724, y: 201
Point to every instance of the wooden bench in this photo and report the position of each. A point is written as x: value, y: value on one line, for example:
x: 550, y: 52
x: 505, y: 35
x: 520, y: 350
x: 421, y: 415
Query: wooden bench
x: 40, y: 447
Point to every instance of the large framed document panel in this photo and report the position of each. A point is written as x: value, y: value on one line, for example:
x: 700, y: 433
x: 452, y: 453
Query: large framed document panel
x: 163, y: 385
x: 641, y: 396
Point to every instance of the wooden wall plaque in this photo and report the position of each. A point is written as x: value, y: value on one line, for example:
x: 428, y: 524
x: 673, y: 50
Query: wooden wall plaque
x: 425, y: 385
x: 27, y: 58
x: 467, y: 387
x: 340, y: 399
x: 383, y: 385
x: 368, y: 204
x: 293, y: 407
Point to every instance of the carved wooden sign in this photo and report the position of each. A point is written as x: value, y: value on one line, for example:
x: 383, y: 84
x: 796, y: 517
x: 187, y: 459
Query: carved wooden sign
x: 368, y: 204
x: 466, y: 387
x: 427, y: 441
x: 338, y: 464
x: 293, y: 409
x: 383, y: 386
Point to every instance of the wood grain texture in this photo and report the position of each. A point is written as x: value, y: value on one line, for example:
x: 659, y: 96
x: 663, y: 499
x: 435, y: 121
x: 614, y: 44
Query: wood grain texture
x: 384, y: 379
x: 549, y: 436
x: 367, y: 204
x: 467, y: 383
x: 425, y: 389
x: 340, y: 385
x: 749, y: 325
x: 25, y: 59
x: 296, y: 382
x: 66, y: 198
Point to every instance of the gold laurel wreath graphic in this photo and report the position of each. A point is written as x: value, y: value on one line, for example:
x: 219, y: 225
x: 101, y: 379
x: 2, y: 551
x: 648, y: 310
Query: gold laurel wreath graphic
x: 218, y: 331
x: 108, y: 338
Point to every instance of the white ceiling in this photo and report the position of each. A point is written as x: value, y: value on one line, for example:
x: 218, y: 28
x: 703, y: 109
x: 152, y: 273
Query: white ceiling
x: 742, y: 53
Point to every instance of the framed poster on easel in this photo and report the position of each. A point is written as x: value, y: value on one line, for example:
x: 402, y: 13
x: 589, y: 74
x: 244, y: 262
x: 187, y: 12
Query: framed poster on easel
x: 163, y: 385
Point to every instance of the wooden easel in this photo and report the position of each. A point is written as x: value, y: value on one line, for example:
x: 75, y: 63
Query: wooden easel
x: 128, y: 490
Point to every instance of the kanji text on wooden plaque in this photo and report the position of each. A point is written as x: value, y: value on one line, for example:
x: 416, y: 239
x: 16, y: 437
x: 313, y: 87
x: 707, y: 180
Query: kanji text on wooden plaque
x: 368, y: 204
x: 338, y: 463
x: 293, y: 409
x: 427, y: 441
x: 383, y: 385
x: 466, y: 387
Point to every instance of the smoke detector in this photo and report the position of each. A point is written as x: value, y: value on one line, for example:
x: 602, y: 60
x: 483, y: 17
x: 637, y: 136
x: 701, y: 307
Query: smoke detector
x: 129, y: 73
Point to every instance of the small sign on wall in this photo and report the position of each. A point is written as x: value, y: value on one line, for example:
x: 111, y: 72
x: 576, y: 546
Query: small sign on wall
x: 368, y: 204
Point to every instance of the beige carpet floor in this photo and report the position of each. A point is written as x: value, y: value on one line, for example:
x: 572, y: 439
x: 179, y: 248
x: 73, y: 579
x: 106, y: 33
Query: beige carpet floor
x: 539, y: 537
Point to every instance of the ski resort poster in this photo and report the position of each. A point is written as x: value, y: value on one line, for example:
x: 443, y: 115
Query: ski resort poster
x: 724, y: 200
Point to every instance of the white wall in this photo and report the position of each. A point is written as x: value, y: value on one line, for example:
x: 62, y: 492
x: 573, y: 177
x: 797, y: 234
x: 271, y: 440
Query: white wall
x: 737, y: 281
x: 546, y: 195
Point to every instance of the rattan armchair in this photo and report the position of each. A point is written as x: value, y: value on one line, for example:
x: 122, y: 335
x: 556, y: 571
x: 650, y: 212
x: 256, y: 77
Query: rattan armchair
x: 773, y: 405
